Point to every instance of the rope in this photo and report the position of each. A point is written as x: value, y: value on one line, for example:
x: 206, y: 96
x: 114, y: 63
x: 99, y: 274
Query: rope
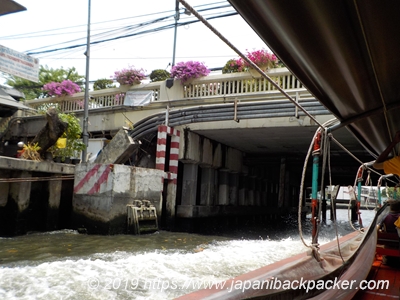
x: 326, y: 160
x: 244, y: 57
x: 302, y: 189
x: 353, y: 193
x: 367, y: 165
x: 310, y: 150
x: 322, y: 193
x: 368, y: 182
x: 335, y: 225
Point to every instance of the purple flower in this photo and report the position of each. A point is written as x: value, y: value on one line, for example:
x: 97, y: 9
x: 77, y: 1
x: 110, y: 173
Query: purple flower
x: 66, y: 87
x: 129, y: 75
x: 187, y: 70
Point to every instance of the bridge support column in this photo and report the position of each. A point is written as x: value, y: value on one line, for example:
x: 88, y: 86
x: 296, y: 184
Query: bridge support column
x: 20, y: 193
x: 233, y: 188
x: 54, y: 204
x: 252, y: 187
x: 207, y: 193
x: 223, y: 189
x: 4, y: 188
x: 243, y: 190
x: 282, y: 175
x: 264, y: 190
x: 257, y: 194
x: 189, y: 184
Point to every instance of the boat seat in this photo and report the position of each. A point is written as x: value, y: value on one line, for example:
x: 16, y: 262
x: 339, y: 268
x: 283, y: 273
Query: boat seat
x: 388, y: 244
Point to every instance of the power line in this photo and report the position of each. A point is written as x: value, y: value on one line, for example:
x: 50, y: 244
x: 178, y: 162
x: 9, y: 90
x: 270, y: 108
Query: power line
x: 127, y: 28
x: 131, y: 35
x: 31, y: 34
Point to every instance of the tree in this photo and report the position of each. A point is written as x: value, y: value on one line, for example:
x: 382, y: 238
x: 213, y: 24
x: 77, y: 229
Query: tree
x: 34, y: 90
x: 101, y: 84
x: 159, y: 75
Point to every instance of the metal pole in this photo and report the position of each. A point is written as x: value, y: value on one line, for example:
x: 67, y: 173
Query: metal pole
x: 86, y: 102
x: 176, y: 30
x: 379, y: 196
x: 314, y: 187
x: 359, y: 180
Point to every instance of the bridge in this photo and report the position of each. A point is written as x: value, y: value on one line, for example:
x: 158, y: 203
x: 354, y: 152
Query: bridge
x: 237, y: 110
x: 242, y: 143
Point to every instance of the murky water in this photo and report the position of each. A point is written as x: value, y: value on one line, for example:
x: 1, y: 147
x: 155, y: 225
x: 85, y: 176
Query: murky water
x: 163, y: 265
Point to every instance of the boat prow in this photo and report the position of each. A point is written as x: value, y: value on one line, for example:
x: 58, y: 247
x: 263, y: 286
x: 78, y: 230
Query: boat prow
x: 337, y: 274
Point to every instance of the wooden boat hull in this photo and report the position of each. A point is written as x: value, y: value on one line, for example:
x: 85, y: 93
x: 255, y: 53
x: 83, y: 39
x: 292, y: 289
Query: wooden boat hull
x: 333, y: 277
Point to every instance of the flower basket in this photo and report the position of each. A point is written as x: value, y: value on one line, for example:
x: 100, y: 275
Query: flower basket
x: 134, y: 82
x: 255, y: 73
x: 186, y: 71
x: 64, y: 88
x: 263, y: 59
x: 129, y: 76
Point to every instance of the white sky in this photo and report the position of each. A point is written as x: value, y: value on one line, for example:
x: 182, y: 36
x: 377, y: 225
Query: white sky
x: 149, y: 51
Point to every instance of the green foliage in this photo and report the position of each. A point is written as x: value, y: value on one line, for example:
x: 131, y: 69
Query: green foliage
x: 159, y: 75
x: 34, y: 90
x: 73, y: 135
x: 101, y: 84
x: 389, y: 192
x: 231, y: 66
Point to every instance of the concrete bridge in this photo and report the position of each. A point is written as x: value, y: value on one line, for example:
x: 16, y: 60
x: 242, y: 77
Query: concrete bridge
x: 241, y: 143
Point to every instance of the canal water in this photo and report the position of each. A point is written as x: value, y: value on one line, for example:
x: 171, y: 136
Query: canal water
x: 163, y: 265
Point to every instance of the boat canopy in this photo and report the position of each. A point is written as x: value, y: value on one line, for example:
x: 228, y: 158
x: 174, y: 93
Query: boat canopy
x: 8, y: 105
x: 9, y: 7
x: 346, y: 52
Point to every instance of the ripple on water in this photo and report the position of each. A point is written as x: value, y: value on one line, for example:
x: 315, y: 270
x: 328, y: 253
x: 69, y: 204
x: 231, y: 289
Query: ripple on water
x: 67, y: 265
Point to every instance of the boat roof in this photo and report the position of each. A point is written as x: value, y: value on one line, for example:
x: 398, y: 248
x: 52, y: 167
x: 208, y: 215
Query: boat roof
x: 8, y: 105
x: 9, y: 7
x: 345, y: 52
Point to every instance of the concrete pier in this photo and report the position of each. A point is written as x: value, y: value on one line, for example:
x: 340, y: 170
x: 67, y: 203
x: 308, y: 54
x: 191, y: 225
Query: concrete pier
x: 32, y: 195
x: 197, y: 181
x: 103, y: 191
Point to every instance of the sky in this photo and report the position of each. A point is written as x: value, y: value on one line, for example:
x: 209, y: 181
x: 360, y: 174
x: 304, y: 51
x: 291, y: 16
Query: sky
x: 55, y: 24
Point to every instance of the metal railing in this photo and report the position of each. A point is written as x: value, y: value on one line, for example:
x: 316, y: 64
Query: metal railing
x: 212, y: 88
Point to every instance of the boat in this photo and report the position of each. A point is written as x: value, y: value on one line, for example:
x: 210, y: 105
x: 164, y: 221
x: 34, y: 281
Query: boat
x: 333, y: 275
x: 345, y: 53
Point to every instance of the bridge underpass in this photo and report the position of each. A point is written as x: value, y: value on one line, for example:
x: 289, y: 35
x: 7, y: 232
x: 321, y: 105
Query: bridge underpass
x: 268, y: 136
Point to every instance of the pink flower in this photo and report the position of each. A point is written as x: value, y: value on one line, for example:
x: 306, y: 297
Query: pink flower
x: 66, y: 87
x: 129, y: 75
x: 187, y: 70
x: 260, y: 57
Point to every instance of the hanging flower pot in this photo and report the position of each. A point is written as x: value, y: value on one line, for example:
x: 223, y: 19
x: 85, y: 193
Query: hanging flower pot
x: 186, y: 71
x: 134, y: 82
x: 255, y: 73
x: 60, y: 89
x: 262, y: 58
x: 124, y: 87
x: 129, y: 76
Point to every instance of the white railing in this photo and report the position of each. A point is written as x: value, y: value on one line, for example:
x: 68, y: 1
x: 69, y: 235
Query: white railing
x: 240, y: 83
x: 97, y: 99
x: 212, y: 87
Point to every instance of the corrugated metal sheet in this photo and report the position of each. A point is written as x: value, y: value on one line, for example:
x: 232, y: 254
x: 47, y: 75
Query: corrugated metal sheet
x: 346, y: 52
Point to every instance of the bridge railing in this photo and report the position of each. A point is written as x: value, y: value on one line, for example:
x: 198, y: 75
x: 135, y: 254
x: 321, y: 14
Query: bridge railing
x: 213, y: 88
x: 240, y: 84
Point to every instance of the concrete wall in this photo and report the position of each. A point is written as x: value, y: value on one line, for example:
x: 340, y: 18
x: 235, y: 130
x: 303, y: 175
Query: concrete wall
x: 101, y: 193
x: 32, y: 198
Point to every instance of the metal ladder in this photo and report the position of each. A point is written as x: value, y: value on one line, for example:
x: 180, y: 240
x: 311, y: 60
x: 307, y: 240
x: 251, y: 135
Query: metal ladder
x: 142, y: 217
